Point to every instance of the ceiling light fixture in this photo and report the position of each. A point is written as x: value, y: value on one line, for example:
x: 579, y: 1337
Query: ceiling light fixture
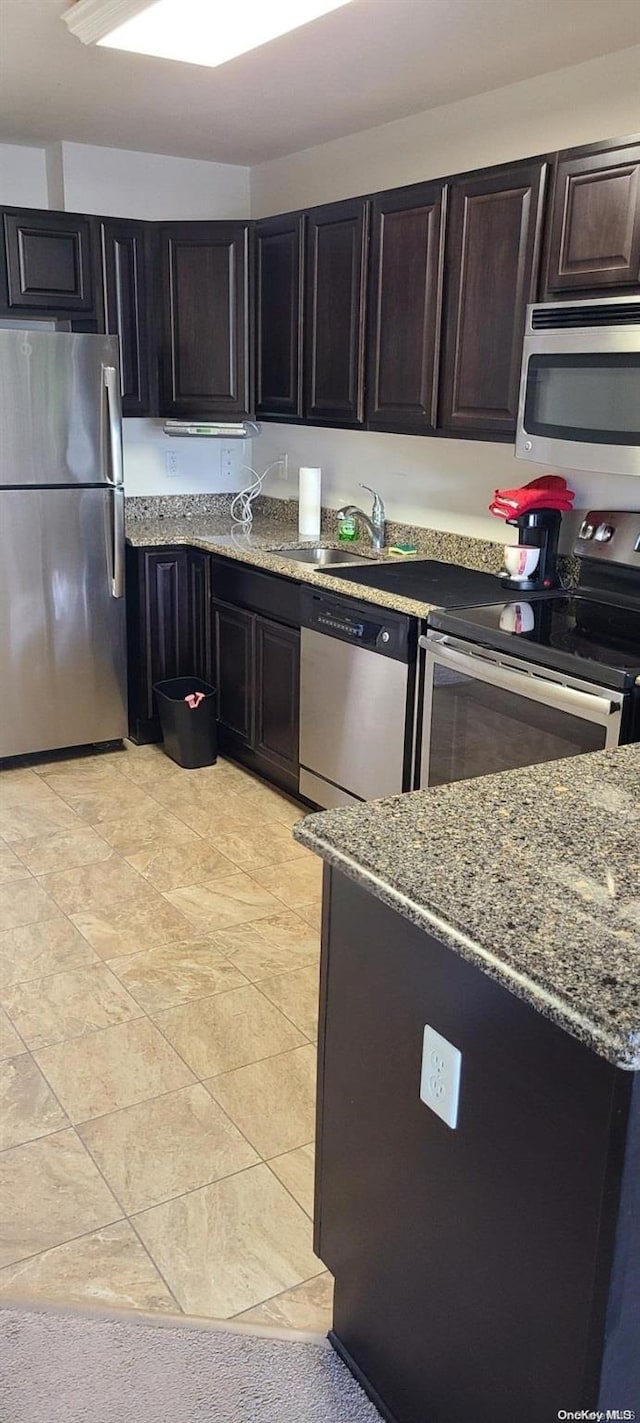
x: 208, y: 32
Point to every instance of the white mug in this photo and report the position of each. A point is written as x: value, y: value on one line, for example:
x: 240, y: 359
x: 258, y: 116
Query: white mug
x: 521, y: 560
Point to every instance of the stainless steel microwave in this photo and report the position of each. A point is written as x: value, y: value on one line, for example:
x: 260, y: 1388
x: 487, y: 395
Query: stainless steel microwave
x: 579, y: 405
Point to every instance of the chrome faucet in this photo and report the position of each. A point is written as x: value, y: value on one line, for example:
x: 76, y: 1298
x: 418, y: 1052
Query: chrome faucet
x: 375, y: 523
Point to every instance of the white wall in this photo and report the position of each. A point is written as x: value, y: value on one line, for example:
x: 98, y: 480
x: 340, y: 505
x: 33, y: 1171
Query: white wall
x: 23, y: 177
x: 199, y: 462
x: 439, y: 484
x: 119, y: 183
x: 78, y: 177
x: 446, y: 484
x: 599, y: 99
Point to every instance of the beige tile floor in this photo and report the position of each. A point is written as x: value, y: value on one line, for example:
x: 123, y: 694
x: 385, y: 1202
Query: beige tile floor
x: 159, y: 946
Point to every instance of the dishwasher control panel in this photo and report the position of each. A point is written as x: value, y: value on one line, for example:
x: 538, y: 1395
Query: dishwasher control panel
x: 362, y: 625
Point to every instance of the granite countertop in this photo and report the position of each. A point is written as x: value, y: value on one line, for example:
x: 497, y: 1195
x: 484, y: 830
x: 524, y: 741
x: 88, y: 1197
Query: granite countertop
x: 533, y: 875
x: 266, y: 547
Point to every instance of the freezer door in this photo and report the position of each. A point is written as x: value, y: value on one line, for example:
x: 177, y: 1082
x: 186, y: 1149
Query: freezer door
x: 59, y: 415
x: 62, y: 619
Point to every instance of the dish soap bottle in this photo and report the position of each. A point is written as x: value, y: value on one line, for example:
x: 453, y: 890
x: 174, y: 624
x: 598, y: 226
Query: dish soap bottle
x: 346, y: 528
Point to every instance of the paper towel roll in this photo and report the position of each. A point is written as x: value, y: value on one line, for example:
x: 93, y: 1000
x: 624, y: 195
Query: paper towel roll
x: 309, y: 502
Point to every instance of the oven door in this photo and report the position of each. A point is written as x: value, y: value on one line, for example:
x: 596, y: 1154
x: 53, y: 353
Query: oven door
x: 484, y: 712
x: 579, y: 405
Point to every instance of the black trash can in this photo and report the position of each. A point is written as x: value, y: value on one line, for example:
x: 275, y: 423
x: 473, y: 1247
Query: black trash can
x: 190, y: 734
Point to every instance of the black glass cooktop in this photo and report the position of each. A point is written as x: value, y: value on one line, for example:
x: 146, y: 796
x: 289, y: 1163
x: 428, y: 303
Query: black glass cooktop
x: 426, y: 579
x: 584, y: 636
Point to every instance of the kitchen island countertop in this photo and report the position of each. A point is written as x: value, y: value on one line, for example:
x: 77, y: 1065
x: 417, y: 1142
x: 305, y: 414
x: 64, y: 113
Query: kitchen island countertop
x: 266, y: 546
x: 533, y: 875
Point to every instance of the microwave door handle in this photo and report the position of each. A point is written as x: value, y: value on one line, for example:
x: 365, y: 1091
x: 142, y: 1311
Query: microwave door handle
x: 588, y: 705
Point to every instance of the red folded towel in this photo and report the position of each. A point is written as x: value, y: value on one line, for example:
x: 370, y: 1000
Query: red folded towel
x: 549, y: 491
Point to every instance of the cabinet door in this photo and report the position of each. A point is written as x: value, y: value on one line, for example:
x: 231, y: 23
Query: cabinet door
x: 235, y: 671
x: 124, y: 273
x: 165, y: 617
x: 277, y: 684
x: 404, y: 308
x: 200, y: 621
x: 49, y: 261
x: 157, y: 631
x: 279, y: 252
x: 595, y: 221
x: 205, y: 358
x: 490, y: 273
x: 335, y: 311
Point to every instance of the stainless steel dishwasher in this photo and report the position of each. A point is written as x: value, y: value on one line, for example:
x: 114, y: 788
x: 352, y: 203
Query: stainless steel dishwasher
x: 357, y: 679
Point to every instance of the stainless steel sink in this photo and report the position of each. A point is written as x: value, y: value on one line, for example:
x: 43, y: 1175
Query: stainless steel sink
x: 321, y: 557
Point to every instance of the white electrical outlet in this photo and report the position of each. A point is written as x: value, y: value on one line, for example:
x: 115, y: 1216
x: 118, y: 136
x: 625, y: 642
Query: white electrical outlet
x: 226, y: 462
x: 440, y: 1076
x: 171, y: 463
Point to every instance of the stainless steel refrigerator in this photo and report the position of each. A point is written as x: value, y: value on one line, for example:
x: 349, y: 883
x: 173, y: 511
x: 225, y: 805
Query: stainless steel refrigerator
x: 62, y: 604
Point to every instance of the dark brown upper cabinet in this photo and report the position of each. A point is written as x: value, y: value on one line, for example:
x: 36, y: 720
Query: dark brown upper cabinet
x: 205, y: 359
x: 125, y: 275
x: 490, y: 274
x: 336, y: 261
x: 49, y: 262
x: 406, y: 252
x: 279, y: 316
x: 594, y: 237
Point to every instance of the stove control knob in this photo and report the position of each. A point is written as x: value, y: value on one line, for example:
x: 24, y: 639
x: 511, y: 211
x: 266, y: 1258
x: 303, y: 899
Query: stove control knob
x: 604, y: 533
x: 586, y: 530
x: 384, y: 636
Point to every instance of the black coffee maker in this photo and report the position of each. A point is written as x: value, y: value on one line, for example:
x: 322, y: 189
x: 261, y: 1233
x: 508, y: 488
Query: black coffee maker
x: 540, y: 529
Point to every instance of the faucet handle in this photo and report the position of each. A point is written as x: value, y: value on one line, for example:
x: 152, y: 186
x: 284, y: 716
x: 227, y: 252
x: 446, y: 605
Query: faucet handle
x: 378, y: 506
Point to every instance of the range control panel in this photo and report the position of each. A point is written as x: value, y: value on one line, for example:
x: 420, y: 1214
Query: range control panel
x: 612, y: 535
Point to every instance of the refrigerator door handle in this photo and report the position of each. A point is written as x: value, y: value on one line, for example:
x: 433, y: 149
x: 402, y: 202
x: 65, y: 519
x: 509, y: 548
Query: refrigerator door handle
x: 115, y: 478
x: 117, y: 564
x: 114, y: 425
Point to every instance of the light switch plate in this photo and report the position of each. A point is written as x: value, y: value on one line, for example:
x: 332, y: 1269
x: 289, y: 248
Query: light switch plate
x: 440, y: 1076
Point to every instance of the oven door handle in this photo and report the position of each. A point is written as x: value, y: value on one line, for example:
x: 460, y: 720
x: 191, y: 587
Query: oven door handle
x: 588, y: 705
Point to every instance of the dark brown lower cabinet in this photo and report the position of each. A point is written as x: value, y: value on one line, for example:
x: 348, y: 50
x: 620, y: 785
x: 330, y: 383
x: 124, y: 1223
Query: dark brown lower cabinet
x: 487, y: 1273
x: 158, y: 630
x: 277, y: 698
x: 183, y: 620
x: 234, y: 658
x: 201, y: 643
x: 169, y: 627
x: 258, y: 692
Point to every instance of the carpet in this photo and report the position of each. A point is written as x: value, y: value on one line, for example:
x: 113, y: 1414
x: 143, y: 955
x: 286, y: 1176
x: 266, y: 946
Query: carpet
x: 63, y: 1366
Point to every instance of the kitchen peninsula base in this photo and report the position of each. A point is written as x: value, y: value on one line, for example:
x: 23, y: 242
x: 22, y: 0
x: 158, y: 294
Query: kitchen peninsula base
x: 492, y: 1272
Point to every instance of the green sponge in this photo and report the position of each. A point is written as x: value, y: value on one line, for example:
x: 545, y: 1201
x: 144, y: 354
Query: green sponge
x: 405, y: 549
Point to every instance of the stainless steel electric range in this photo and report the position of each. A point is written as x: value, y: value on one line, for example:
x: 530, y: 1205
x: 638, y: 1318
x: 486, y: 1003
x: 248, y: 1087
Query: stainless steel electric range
x: 535, y: 678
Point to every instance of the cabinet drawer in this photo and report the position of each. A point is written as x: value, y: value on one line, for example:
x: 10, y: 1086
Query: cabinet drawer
x: 278, y: 598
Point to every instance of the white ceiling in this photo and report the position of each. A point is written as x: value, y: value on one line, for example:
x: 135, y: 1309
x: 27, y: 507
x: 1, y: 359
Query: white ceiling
x: 373, y: 61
